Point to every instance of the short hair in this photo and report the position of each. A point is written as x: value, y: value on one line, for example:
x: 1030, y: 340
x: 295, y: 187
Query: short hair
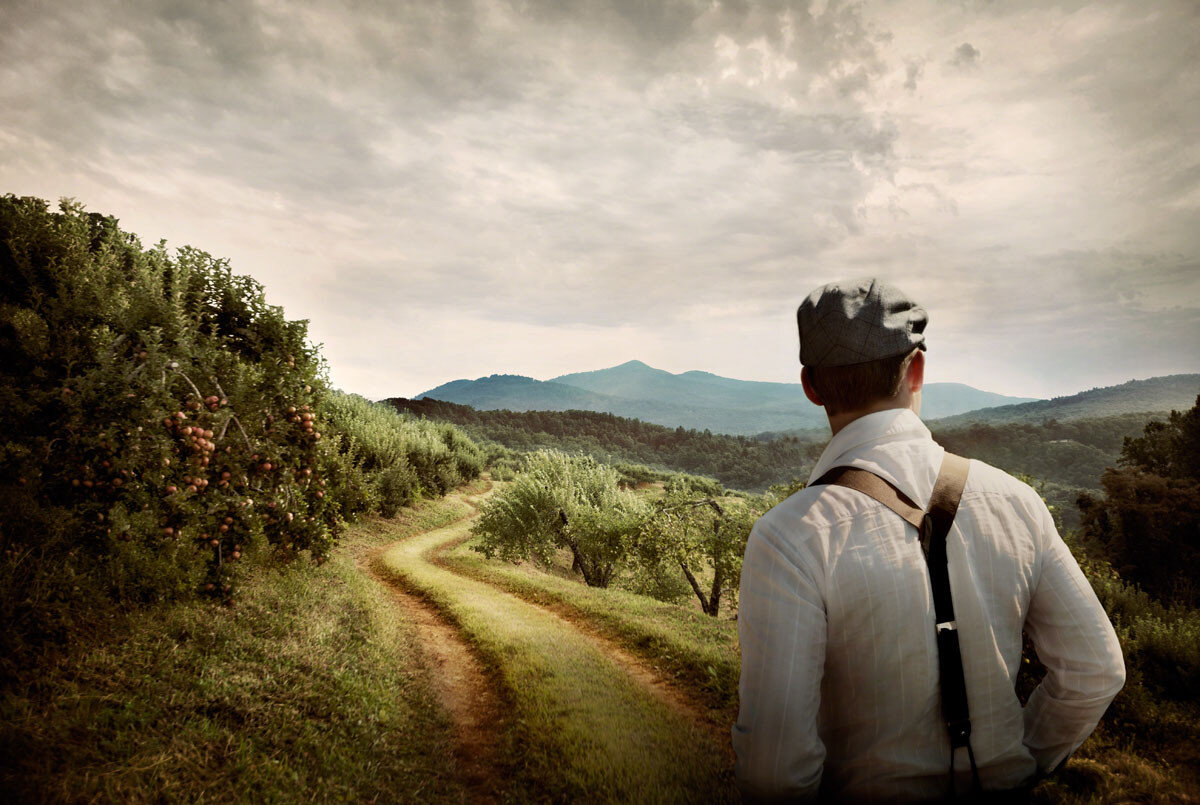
x: 858, y: 385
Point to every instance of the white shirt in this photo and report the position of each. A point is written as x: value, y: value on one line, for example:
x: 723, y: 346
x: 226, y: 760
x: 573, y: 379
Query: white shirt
x: 839, y: 682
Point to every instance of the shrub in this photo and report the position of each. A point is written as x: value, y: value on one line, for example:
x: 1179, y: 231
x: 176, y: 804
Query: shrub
x: 401, y: 455
x: 397, y: 487
x: 562, y: 501
x: 158, y: 421
x: 155, y: 409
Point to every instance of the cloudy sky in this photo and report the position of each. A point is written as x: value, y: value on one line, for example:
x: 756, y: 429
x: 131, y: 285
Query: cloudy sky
x: 537, y: 187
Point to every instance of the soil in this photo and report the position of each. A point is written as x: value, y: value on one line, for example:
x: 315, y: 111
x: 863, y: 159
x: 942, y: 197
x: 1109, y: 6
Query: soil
x: 465, y: 690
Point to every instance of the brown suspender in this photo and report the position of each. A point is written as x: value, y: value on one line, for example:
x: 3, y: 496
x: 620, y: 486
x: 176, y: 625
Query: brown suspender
x: 932, y: 526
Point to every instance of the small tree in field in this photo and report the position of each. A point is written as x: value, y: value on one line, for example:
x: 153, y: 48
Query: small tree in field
x: 696, y: 532
x: 562, y: 501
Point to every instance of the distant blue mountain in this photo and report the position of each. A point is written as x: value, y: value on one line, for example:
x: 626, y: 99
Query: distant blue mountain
x: 693, y: 399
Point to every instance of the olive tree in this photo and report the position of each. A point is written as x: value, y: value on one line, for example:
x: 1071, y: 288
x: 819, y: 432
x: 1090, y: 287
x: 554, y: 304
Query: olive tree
x: 563, y: 501
x: 699, y: 532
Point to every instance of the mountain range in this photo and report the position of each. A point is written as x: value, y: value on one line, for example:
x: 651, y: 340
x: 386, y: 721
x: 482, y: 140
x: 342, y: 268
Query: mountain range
x: 695, y: 399
x: 1170, y: 392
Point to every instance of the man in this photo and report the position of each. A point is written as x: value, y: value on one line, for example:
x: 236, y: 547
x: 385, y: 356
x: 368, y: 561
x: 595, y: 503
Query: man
x: 839, y: 687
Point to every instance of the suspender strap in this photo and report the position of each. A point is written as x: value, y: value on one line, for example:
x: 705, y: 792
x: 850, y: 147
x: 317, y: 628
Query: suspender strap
x: 933, y: 527
x: 878, y: 488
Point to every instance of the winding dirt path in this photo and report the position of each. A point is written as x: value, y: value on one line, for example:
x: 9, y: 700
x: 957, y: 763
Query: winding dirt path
x: 661, y: 686
x: 463, y: 687
x: 627, y: 729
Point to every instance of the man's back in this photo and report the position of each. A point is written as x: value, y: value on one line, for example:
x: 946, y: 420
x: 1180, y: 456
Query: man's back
x: 839, y: 682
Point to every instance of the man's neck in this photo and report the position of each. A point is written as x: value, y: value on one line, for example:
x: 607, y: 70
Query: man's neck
x: 844, y: 418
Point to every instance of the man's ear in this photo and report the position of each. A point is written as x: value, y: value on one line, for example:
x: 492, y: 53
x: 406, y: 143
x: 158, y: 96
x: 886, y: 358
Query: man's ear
x: 809, y: 391
x: 916, y: 372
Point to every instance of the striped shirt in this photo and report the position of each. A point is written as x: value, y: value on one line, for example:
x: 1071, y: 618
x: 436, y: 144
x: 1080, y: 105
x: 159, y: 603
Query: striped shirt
x: 839, y: 682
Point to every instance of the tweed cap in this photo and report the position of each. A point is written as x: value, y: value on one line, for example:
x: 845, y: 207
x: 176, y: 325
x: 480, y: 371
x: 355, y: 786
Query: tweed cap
x: 843, y: 323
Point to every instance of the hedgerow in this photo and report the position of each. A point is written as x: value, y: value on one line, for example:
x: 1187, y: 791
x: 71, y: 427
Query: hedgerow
x: 158, y: 421
x: 405, y: 457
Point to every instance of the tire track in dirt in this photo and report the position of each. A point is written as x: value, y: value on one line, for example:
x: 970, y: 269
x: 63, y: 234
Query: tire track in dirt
x: 462, y: 683
x: 661, y: 686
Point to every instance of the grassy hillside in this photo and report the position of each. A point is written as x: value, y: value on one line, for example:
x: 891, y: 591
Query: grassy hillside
x: 581, y: 726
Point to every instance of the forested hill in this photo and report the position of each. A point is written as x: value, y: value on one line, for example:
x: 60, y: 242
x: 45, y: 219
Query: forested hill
x: 738, y: 462
x: 698, y: 400
x: 1066, y: 457
x: 1170, y: 392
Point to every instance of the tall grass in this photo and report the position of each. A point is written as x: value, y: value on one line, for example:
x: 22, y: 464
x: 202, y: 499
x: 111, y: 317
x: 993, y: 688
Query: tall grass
x: 311, y: 687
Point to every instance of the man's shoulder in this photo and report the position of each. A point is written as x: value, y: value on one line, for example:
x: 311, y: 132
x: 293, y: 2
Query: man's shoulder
x: 812, y: 509
x: 984, y: 479
x: 818, y: 508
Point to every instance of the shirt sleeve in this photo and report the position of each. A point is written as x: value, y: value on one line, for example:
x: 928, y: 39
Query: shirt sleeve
x: 1077, y: 644
x: 781, y: 629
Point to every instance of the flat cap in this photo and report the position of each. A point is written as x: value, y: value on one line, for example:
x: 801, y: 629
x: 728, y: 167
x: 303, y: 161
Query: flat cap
x: 843, y: 323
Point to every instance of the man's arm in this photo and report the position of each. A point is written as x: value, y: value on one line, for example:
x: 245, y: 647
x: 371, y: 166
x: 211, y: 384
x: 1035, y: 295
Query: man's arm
x: 1077, y: 644
x: 781, y: 628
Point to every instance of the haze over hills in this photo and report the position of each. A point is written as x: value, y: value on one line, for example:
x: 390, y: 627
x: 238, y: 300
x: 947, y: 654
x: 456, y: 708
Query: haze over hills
x: 1171, y: 392
x: 695, y: 399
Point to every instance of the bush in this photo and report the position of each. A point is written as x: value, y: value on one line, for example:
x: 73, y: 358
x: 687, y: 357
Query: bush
x: 159, y: 420
x: 397, y: 488
x: 562, y: 501
x: 1161, y: 643
x: 157, y: 417
x: 404, y: 457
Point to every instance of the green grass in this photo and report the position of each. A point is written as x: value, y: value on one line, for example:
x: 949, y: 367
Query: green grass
x: 308, y: 689
x: 701, y: 651
x: 580, y: 727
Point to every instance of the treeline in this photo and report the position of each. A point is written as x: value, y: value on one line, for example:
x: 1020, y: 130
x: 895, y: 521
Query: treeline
x: 738, y: 462
x: 161, y: 425
x: 1147, y: 524
x: 1064, y: 459
x: 1073, y: 453
x: 1067, y: 458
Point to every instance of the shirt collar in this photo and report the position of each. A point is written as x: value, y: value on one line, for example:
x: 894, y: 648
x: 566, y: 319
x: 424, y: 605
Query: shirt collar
x: 888, y: 425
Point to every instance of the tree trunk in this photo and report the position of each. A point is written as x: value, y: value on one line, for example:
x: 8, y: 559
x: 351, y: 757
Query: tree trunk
x: 589, y: 577
x: 714, y: 599
x: 687, y: 571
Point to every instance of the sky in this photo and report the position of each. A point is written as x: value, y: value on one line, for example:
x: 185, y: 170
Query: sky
x: 537, y: 187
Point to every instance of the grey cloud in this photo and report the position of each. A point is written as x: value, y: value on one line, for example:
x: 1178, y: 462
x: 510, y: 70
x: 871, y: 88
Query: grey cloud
x: 965, y: 55
x: 581, y: 164
x: 913, y: 71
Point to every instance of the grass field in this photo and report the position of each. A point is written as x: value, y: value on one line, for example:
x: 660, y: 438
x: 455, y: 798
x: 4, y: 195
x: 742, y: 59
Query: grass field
x: 310, y: 688
x: 581, y: 727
